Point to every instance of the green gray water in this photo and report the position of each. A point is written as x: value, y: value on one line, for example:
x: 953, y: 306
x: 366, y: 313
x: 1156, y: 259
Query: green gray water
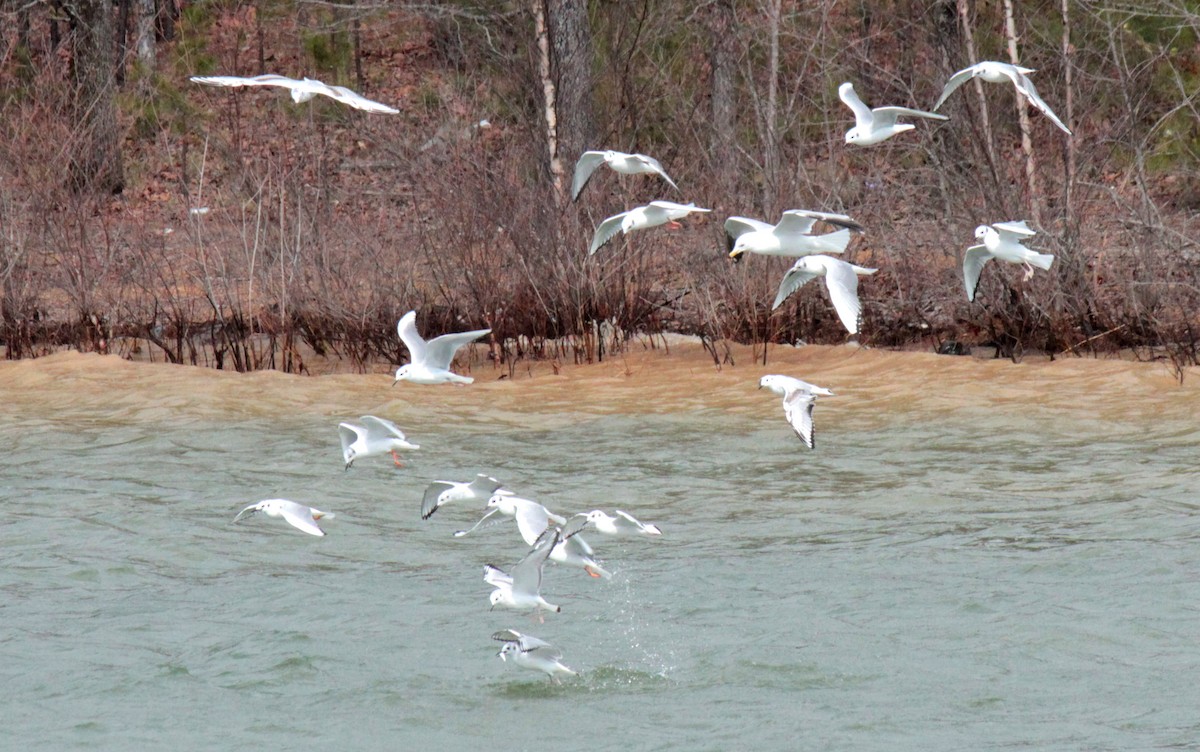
x: 989, y: 579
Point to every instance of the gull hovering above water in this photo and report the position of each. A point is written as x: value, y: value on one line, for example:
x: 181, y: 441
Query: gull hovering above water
x: 791, y: 236
x: 441, y: 492
x: 1001, y: 240
x: 431, y: 359
x: 623, y: 524
x: 626, y: 164
x: 841, y: 279
x: 654, y: 214
x: 522, y: 589
x: 298, y: 516
x: 572, y: 550
x: 997, y: 73
x: 302, y: 90
x: 873, y: 126
x: 798, y: 400
x: 532, y: 653
x: 374, y: 436
x: 532, y: 518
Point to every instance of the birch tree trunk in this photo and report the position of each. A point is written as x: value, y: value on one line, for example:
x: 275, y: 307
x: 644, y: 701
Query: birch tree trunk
x: 144, y: 43
x: 771, y: 114
x: 549, y: 98
x: 1031, y: 178
x: 571, y: 55
x: 964, y: 17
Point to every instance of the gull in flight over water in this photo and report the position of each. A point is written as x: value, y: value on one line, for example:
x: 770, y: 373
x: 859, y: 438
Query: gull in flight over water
x: 532, y: 518
x: 431, y: 359
x: 626, y: 164
x: 841, y: 278
x: 532, y: 653
x: 374, y: 436
x: 441, y: 492
x: 623, y: 524
x: 1001, y: 240
x: 798, y: 400
x: 298, y: 516
x: 573, y: 551
x: 522, y: 589
x: 998, y: 73
x: 873, y: 126
x: 652, y: 215
x: 791, y: 237
x: 302, y: 90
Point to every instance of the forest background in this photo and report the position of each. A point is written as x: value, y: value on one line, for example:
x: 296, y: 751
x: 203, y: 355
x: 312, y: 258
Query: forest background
x: 145, y: 215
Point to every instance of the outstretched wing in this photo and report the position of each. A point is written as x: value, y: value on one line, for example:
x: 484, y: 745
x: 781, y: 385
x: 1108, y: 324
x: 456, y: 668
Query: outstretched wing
x: 532, y: 519
x: 495, y: 576
x: 735, y: 227
x: 653, y: 165
x: 793, y: 280
x: 379, y: 429
x: 607, y: 229
x: 1026, y: 87
x: 407, y: 329
x: 584, y: 168
x: 973, y: 261
x: 863, y: 117
x: 431, y: 500
x: 843, y: 293
x: 837, y: 220
x: 957, y: 80
x: 527, y: 573
x: 358, y: 101
x: 885, y: 116
x: 267, y: 79
x: 439, y: 351
x: 301, y: 518
x: 798, y: 409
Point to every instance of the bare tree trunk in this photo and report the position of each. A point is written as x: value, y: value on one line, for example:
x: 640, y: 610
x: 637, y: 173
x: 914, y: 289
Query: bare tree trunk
x: 1035, y: 193
x: 723, y: 93
x: 1069, y: 146
x: 145, y: 42
x: 96, y: 160
x: 549, y: 97
x: 570, y: 35
x: 964, y: 17
x: 771, y: 115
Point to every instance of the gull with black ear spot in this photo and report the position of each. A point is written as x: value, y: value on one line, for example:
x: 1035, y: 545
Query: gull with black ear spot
x: 297, y: 515
x: 431, y: 359
x: 874, y: 126
x: 532, y: 653
x: 522, y: 589
x: 374, y: 436
x: 618, y: 161
x: 1002, y: 241
x: 798, y: 400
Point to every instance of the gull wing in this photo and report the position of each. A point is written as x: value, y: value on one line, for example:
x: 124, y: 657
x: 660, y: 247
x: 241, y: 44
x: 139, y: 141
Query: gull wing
x: 527, y: 573
x: 606, y: 230
x: 863, y: 116
x: 439, y: 351
x: 837, y: 220
x: 524, y: 642
x: 267, y: 79
x: 793, y: 280
x: 887, y: 115
x: 796, y: 222
x: 574, y: 525
x: 735, y: 227
x: 1014, y: 231
x: 301, y: 517
x: 358, y: 101
x: 431, y: 500
x: 973, y: 261
x: 379, y: 429
x: 578, y: 546
x: 584, y: 168
x: 496, y: 577
x: 484, y: 485
x: 1025, y: 86
x: 798, y: 409
x: 252, y: 509
x: 655, y: 167
x: 671, y: 206
x: 532, y: 520
x: 348, y: 433
x: 842, y: 282
x: 407, y: 329
x: 957, y: 80
x: 629, y: 523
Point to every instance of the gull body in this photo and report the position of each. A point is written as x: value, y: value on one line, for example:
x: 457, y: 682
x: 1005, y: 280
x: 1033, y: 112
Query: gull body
x: 618, y: 161
x: 873, y: 126
x: 791, y: 236
x: 841, y: 279
x: 430, y: 359
x: 998, y: 73
x: 652, y: 215
x: 302, y: 90
x: 441, y: 492
x: 522, y: 589
x: 573, y: 551
x: 374, y: 436
x: 623, y: 524
x: 532, y: 653
x: 1001, y: 240
x: 798, y: 400
x: 532, y: 518
x: 297, y: 515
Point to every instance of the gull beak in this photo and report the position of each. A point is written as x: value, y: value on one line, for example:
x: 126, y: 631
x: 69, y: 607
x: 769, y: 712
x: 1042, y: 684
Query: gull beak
x: 503, y: 656
x: 397, y: 381
x: 736, y: 256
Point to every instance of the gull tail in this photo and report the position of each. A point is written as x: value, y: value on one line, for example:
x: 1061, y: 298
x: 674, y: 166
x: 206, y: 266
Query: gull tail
x: 1041, y: 260
x: 862, y: 270
x: 831, y: 242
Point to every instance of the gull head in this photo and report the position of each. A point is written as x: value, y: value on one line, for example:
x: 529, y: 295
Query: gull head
x: 509, y: 647
x: 772, y: 382
x: 495, y: 598
x: 853, y: 136
x: 740, y: 246
x: 982, y: 231
x: 402, y: 373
